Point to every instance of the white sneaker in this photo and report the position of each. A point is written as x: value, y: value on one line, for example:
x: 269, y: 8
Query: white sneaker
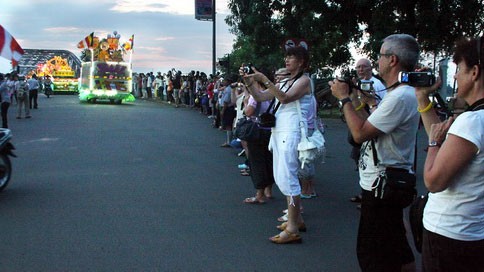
x: 243, y: 166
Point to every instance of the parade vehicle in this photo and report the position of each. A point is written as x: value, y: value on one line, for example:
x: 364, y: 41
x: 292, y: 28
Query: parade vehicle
x: 102, y: 80
x: 64, y: 80
x: 104, y: 73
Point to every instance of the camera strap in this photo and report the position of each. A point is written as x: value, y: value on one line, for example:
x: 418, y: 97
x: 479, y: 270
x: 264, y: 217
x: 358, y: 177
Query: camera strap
x: 478, y: 105
x: 279, y: 102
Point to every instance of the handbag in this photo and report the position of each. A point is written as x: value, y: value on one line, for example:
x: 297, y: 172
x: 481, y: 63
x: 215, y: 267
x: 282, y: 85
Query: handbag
x: 415, y: 218
x: 311, y: 147
x: 396, y: 186
x: 247, y: 129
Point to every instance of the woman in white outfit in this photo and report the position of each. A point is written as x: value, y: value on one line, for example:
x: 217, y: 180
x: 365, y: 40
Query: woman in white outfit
x: 286, y: 133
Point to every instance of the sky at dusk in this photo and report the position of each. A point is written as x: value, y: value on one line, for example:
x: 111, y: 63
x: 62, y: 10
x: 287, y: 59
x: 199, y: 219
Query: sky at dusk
x: 167, y: 35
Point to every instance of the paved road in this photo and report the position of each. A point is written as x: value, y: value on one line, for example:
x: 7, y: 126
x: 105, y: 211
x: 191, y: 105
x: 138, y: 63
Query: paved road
x: 146, y: 187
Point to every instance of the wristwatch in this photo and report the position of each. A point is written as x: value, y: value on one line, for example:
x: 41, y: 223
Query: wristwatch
x: 343, y: 101
x: 433, y: 143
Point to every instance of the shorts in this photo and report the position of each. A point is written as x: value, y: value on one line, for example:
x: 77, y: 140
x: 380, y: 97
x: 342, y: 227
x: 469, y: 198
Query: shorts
x: 286, y: 163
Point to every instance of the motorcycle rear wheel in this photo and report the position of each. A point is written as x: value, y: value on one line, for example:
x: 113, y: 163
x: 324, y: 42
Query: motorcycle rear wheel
x: 5, y: 171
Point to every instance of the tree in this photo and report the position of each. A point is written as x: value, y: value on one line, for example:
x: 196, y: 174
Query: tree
x: 332, y: 27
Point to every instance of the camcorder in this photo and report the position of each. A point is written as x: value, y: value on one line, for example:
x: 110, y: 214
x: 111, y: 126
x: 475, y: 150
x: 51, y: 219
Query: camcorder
x: 363, y: 86
x: 248, y: 69
x: 417, y: 79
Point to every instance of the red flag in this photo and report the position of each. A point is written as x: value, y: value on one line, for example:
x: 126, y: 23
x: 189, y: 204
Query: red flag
x: 86, y: 42
x: 9, y: 48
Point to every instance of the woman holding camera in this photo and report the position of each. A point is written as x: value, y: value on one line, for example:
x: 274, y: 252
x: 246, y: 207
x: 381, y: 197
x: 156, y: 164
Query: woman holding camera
x: 453, y: 237
x: 286, y: 133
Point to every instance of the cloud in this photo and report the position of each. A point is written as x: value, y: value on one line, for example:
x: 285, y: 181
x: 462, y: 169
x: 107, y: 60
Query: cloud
x: 178, y: 7
x: 65, y: 29
x: 164, y: 38
x: 173, y: 7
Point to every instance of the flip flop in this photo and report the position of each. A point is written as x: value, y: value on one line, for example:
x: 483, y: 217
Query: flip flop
x: 253, y: 200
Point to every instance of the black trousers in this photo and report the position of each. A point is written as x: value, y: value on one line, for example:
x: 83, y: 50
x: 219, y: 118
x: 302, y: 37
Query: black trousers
x: 33, y: 94
x: 443, y: 254
x: 4, y: 111
x: 382, y: 243
x: 260, y: 159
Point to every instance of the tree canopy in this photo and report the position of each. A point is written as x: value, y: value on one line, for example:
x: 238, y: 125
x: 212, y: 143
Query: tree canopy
x: 333, y: 27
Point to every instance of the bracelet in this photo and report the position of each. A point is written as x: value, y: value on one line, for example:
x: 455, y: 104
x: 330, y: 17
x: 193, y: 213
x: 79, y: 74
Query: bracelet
x: 362, y: 105
x: 426, y: 108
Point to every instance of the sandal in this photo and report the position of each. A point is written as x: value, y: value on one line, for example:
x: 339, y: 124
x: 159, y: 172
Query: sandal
x: 253, y: 200
x: 292, y: 238
x: 356, y: 199
x: 303, y: 196
x: 282, y: 218
x: 285, y: 211
x: 301, y: 227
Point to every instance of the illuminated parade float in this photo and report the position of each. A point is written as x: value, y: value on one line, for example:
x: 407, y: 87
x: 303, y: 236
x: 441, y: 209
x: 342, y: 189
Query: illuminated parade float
x: 104, y: 73
x: 63, y: 76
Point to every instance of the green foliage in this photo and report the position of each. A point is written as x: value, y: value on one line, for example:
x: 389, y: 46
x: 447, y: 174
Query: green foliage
x: 332, y: 27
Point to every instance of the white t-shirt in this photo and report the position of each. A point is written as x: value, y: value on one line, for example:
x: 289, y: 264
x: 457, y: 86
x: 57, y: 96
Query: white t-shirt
x: 458, y: 211
x: 397, y: 117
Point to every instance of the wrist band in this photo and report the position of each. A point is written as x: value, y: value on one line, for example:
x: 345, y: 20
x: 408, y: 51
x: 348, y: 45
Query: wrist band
x: 426, y: 108
x: 362, y: 105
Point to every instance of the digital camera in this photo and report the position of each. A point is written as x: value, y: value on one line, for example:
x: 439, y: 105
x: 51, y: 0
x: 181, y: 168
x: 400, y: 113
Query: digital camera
x: 417, y: 79
x: 365, y: 86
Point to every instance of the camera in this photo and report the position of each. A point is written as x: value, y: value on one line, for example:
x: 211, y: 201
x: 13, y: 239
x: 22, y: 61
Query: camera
x: 248, y: 69
x: 417, y: 79
x: 365, y: 86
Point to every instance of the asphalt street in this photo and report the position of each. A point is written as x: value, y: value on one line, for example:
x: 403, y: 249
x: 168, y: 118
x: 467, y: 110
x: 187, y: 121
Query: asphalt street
x: 144, y: 186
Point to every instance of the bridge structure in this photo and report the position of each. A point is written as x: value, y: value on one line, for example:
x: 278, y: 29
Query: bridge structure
x: 34, y: 57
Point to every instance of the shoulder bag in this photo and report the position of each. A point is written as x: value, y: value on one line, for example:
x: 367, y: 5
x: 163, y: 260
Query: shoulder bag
x: 396, y: 186
x: 311, y: 147
x: 247, y: 128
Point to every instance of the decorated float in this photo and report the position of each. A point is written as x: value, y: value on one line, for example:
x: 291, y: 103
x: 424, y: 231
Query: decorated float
x: 104, y: 73
x: 64, y: 77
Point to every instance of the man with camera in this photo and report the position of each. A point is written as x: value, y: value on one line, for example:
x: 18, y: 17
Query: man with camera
x: 372, y: 90
x: 388, y: 138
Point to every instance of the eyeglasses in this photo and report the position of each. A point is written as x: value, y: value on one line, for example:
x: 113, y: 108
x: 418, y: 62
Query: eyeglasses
x: 287, y: 74
x: 362, y: 66
x: 384, y: 55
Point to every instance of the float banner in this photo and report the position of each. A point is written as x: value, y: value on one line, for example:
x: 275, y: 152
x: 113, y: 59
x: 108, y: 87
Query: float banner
x: 9, y: 48
x: 203, y: 10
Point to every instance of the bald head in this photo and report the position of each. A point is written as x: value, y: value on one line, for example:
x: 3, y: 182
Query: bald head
x: 363, y: 69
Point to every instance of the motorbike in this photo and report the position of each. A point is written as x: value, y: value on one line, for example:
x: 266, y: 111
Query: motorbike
x: 6, y: 152
x: 48, y: 91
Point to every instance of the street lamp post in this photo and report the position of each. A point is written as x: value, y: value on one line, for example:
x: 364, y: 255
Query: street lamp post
x: 213, y: 37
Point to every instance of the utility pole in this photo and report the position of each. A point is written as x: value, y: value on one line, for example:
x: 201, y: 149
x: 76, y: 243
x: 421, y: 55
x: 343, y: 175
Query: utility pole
x: 213, y: 37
